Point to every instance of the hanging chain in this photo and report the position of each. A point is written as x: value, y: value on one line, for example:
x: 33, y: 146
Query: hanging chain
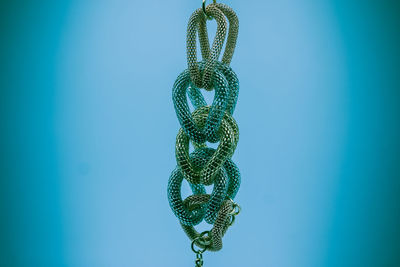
x: 207, y: 166
x: 199, y: 252
x: 199, y: 260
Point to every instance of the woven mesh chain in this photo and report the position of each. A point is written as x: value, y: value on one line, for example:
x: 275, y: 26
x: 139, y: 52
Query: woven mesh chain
x: 213, y: 123
x: 197, y: 22
x: 204, y: 81
x: 232, y: 35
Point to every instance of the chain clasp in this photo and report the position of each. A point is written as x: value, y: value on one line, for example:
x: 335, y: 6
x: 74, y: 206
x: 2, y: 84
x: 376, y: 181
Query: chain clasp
x: 204, y: 9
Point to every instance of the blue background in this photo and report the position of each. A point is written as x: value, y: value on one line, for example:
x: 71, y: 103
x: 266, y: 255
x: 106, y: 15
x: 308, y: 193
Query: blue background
x: 88, y: 131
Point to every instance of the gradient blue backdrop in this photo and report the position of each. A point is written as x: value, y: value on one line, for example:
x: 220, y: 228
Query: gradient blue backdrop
x: 88, y: 131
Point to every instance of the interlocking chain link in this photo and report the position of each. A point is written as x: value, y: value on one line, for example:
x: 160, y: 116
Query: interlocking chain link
x: 197, y: 22
x: 232, y: 35
x: 207, y: 166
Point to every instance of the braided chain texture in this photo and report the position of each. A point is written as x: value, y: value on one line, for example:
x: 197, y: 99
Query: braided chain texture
x: 207, y: 166
x: 197, y: 23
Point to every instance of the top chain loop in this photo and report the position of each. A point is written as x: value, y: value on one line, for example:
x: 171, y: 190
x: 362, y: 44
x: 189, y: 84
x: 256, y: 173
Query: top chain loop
x: 204, y: 8
x: 232, y: 35
x: 197, y: 22
x: 193, y: 26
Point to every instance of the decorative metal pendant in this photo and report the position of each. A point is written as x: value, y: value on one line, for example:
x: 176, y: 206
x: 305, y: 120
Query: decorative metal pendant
x: 207, y: 166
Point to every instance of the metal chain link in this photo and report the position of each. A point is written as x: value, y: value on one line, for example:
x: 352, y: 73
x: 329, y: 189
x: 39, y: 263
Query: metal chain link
x: 232, y: 35
x: 197, y: 22
x: 207, y: 166
x: 204, y: 81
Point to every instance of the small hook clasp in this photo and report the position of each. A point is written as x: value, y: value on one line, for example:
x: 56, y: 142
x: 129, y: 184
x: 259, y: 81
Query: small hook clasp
x: 204, y: 9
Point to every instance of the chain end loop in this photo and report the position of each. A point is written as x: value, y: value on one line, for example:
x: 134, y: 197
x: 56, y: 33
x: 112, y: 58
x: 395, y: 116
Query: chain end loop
x: 204, y: 9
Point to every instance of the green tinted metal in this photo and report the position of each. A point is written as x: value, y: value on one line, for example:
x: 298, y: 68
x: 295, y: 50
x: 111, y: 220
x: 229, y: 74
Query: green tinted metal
x: 207, y: 166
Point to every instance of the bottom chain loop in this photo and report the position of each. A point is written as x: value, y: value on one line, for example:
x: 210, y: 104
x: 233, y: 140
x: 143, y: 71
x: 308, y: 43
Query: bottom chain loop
x: 199, y: 260
x: 203, y: 238
x: 213, y: 240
